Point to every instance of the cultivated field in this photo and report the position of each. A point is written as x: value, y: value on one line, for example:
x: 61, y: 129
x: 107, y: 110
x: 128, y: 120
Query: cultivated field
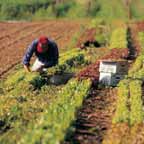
x: 67, y: 104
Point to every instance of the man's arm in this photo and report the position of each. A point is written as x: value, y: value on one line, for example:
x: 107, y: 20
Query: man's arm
x: 28, y: 55
x: 27, y: 68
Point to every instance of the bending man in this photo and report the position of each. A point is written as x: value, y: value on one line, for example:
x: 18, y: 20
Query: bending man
x: 46, y: 52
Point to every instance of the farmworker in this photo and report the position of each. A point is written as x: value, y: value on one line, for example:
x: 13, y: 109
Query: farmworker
x: 47, y: 54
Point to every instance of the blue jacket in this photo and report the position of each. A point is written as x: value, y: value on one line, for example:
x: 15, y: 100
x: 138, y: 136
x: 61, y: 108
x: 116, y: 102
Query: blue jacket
x: 49, y: 58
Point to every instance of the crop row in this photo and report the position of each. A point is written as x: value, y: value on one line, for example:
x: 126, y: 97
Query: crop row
x: 127, y: 123
x: 122, y: 112
x: 119, y: 38
x: 58, y: 116
x: 137, y: 70
x: 129, y: 112
x: 132, y: 100
x: 70, y: 61
x: 32, y: 111
x: 129, y: 102
x: 136, y: 104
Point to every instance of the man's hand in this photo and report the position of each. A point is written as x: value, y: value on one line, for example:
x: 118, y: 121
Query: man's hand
x: 27, y: 68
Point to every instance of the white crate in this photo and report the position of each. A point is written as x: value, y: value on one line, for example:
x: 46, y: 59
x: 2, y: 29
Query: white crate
x: 105, y: 78
x: 109, y: 66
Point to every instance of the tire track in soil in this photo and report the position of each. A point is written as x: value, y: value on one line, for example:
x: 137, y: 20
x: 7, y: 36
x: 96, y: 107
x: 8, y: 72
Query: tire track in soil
x: 94, y: 118
x: 10, y: 33
x: 20, y: 35
x: 8, y: 29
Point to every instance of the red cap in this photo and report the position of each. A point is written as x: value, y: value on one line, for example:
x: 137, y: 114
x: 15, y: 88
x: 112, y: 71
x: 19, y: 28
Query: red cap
x: 42, y: 40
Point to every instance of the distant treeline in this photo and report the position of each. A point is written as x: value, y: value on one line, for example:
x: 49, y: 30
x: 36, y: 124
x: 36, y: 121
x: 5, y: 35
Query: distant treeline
x: 17, y: 9
x: 45, y: 9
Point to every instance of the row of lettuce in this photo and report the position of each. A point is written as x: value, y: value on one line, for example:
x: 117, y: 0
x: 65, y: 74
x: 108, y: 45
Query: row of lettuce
x: 119, y: 38
x: 33, y: 111
x: 58, y: 116
x: 130, y: 102
x: 129, y: 113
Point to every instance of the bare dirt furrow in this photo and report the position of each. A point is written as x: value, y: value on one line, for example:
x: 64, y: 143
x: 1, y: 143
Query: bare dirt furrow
x: 94, y: 118
x: 20, y: 35
x: 8, y: 28
x: 10, y: 32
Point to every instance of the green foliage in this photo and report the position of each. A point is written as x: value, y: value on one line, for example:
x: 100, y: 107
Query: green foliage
x: 15, y: 9
x: 57, y: 118
x: 77, y: 11
x: 62, y: 8
x: 77, y: 35
x: 136, y: 8
x: 103, y: 31
x: 100, y: 38
x: 122, y: 112
x: 35, y: 110
x: 141, y: 40
x: 134, y: 86
x: 137, y: 66
x: 119, y: 38
x: 93, y: 8
x: 37, y: 82
x: 129, y: 103
x: 45, y: 9
x: 14, y: 79
x: 21, y: 110
x: 137, y: 70
x: 43, y: 14
x: 97, y: 22
x: 70, y: 61
x: 88, y: 9
x: 136, y: 114
x: 53, y: 11
x: 113, y: 9
x: 22, y: 83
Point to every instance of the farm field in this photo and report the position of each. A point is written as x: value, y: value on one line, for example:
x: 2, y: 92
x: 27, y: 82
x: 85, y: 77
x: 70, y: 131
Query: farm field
x: 67, y: 104
x: 15, y: 37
